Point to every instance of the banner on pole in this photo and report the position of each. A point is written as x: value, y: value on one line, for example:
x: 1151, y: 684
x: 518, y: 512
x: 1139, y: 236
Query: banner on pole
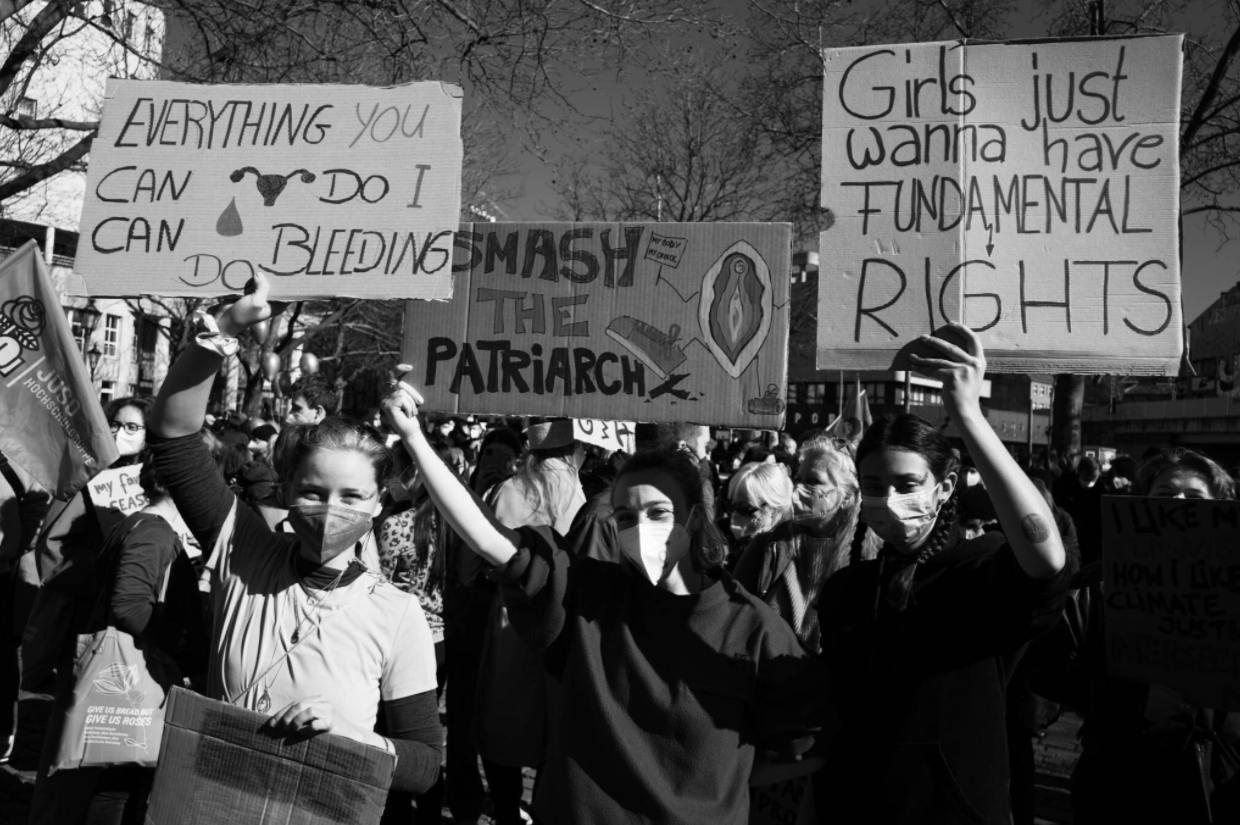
x: 1029, y: 190
x: 53, y: 428
x: 332, y: 190
x: 1172, y: 590
x: 637, y: 322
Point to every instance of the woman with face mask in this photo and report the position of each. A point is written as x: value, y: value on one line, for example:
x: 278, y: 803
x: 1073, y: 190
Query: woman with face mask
x: 302, y: 631
x: 670, y: 677
x: 921, y: 639
x: 787, y: 565
x: 78, y: 525
x: 759, y: 497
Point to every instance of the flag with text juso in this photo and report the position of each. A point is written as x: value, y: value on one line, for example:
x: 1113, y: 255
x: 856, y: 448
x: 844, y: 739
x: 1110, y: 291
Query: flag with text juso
x: 53, y: 427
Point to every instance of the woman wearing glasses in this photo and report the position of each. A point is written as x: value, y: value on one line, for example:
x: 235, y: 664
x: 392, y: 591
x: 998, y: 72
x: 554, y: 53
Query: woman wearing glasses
x: 759, y: 497
x: 78, y: 524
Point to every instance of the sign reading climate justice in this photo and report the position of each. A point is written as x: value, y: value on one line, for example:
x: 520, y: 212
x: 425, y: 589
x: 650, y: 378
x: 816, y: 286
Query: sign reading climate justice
x: 332, y: 190
x: 1029, y: 190
x: 1172, y: 595
x: 637, y: 322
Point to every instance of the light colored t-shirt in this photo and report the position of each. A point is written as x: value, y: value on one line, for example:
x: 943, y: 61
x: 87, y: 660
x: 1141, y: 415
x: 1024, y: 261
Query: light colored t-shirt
x: 360, y: 643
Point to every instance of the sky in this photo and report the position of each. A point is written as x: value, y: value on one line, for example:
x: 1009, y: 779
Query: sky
x: 1210, y: 260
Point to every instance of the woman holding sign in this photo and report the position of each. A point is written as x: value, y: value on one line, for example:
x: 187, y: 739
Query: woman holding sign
x: 1149, y: 755
x: 920, y: 641
x: 302, y: 631
x: 671, y: 677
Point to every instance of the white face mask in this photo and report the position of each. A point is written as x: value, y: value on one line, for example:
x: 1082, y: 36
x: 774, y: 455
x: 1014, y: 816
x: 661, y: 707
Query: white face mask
x: 129, y: 444
x: 658, y: 545
x: 903, y: 520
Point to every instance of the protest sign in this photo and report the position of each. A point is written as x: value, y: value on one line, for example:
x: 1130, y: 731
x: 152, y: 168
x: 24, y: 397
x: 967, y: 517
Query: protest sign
x: 53, y: 426
x: 216, y: 765
x: 1029, y: 190
x: 118, y: 488
x: 610, y: 435
x: 333, y: 190
x: 642, y: 322
x: 1171, y: 578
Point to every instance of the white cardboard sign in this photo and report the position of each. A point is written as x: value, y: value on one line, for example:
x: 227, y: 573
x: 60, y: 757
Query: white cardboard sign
x: 118, y: 488
x: 1029, y: 190
x: 610, y: 435
x: 332, y: 190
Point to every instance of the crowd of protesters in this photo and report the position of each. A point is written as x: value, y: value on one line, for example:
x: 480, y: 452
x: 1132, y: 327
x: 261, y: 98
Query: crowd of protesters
x: 887, y: 616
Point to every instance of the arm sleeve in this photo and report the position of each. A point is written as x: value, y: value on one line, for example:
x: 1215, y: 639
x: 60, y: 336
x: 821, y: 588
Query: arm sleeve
x: 410, y: 666
x: 145, y: 556
x: 792, y: 689
x: 413, y: 728
x: 203, y: 499
x: 534, y: 587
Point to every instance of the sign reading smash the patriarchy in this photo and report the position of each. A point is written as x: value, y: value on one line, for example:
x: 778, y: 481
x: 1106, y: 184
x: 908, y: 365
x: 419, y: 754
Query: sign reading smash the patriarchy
x: 332, y: 190
x: 636, y: 322
x: 1172, y: 590
x: 1029, y: 190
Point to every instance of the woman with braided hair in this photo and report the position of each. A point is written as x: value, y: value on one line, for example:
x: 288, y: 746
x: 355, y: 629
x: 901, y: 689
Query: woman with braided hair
x: 920, y: 641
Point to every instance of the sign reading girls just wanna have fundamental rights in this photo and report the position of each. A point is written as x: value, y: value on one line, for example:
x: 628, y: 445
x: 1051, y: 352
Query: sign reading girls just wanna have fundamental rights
x: 628, y: 321
x: 1027, y: 189
x: 331, y: 190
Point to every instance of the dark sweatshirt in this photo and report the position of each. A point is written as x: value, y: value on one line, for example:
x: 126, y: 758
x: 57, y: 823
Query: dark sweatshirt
x: 922, y: 693
x: 664, y: 699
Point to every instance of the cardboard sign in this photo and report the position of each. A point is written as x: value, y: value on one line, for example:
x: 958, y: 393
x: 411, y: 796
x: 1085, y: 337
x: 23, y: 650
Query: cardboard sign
x: 1172, y: 583
x: 332, y: 190
x: 643, y: 322
x: 610, y: 435
x: 51, y: 424
x: 217, y: 766
x: 1029, y: 190
x: 118, y: 489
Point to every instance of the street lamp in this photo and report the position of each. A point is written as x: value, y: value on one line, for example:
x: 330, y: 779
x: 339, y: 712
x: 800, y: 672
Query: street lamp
x: 88, y: 318
x: 92, y: 359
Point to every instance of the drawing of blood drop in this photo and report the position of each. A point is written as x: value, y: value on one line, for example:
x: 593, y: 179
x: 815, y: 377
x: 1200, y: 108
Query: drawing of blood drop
x: 229, y: 222
x: 735, y: 307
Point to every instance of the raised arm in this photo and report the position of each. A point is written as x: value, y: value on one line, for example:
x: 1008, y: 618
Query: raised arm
x: 185, y: 466
x: 472, y: 522
x: 181, y: 404
x: 1026, y: 519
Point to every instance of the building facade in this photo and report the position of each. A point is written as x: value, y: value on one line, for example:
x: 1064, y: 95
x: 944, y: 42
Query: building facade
x: 124, y: 341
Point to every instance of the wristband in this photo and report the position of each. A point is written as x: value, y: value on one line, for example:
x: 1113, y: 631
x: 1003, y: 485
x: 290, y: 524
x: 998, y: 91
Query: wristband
x: 209, y: 336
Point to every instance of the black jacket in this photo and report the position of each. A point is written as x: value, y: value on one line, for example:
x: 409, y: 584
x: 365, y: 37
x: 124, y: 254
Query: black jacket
x: 922, y: 691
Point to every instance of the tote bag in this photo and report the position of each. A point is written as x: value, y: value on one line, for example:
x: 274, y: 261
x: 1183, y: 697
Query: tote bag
x: 116, y: 715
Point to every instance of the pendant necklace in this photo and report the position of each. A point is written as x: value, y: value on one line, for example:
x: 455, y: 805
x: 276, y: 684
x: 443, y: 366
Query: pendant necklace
x: 263, y: 705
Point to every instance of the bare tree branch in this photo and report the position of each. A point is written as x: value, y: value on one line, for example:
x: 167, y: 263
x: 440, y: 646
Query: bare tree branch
x: 28, y: 45
x: 8, y: 8
x: 43, y: 171
x: 1198, y: 119
x: 22, y: 123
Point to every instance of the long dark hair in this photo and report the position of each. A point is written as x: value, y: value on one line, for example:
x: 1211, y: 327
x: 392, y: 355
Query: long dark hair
x: 708, y: 549
x: 909, y: 432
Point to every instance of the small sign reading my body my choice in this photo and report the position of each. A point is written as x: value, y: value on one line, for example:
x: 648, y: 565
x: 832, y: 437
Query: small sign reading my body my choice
x: 332, y: 190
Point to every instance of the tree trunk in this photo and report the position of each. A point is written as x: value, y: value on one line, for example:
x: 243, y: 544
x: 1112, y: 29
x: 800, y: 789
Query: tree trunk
x: 1066, y: 415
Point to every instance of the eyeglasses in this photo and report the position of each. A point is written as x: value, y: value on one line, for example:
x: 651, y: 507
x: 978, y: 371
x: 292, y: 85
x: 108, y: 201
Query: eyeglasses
x: 130, y: 427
